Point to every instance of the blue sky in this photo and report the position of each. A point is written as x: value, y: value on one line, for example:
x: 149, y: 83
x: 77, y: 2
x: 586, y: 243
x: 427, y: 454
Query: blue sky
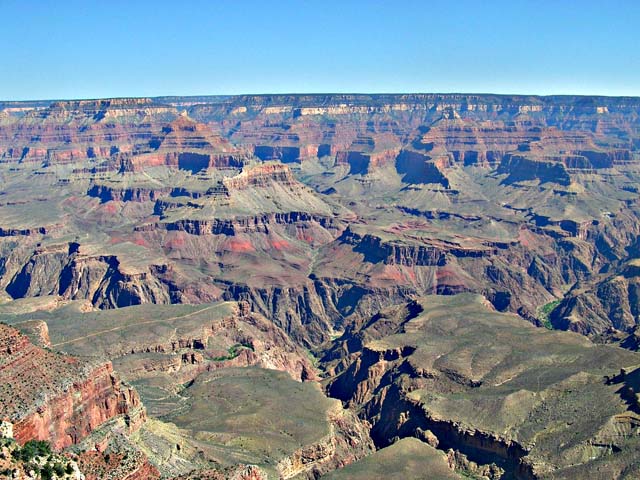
x: 94, y: 48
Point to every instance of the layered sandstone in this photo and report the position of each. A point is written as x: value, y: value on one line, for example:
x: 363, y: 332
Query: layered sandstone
x: 59, y: 398
x: 261, y: 175
x: 320, y: 215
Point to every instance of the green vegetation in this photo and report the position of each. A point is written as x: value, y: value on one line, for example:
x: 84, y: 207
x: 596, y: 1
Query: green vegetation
x: 60, y: 470
x: 32, y: 449
x: 315, y: 361
x: 46, y: 472
x: 234, y: 351
x: 465, y: 474
x: 30, y: 456
x: 545, y: 311
x: 7, y: 442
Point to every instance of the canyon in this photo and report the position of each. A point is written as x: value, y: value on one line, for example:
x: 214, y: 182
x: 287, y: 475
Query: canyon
x: 323, y: 286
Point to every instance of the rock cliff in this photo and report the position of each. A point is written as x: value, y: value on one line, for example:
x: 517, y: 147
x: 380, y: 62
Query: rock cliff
x: 58, y: 398
x: 201, y: 243
x: 411, y: 372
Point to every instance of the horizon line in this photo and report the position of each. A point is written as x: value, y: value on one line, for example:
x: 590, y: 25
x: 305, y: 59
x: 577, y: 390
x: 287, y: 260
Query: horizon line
x: 478, y: 94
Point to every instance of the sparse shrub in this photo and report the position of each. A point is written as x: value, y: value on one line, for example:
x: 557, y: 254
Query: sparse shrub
x: 234, y: 351
x: 545, y: 311
x: 47, y: 472
x: 32, y: 449
x: 58, y: 469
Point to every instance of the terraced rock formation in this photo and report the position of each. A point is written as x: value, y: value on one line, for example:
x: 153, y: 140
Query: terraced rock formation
x: 420, y: 245
x: 456, y: 374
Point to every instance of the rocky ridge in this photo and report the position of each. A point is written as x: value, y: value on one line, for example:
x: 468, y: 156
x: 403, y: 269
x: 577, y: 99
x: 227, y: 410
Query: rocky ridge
x: 327, y: 222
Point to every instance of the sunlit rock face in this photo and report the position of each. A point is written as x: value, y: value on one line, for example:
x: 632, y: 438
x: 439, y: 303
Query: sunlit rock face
x: 59, y: 398
x: 397, y: 252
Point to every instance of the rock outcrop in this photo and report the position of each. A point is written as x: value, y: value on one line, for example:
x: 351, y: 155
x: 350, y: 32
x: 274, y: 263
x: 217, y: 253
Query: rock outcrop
x: 326, y: 222
x: 63, y: 270
x: 59, y: 398
x: 433, y: 370
x: 596, y: 308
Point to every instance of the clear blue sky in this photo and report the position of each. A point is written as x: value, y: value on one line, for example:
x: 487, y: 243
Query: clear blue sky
x: 95, y: 48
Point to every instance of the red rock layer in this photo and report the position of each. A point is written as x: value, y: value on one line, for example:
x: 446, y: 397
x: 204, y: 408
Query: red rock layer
x: 97, y: 466
x: 55, y: 397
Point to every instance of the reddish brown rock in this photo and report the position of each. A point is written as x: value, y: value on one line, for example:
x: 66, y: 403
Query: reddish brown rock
x: 59, y: 398
x: 98, y: 466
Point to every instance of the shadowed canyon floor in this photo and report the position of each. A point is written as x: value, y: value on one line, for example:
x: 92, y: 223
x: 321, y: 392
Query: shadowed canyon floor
x: 340, y: 286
